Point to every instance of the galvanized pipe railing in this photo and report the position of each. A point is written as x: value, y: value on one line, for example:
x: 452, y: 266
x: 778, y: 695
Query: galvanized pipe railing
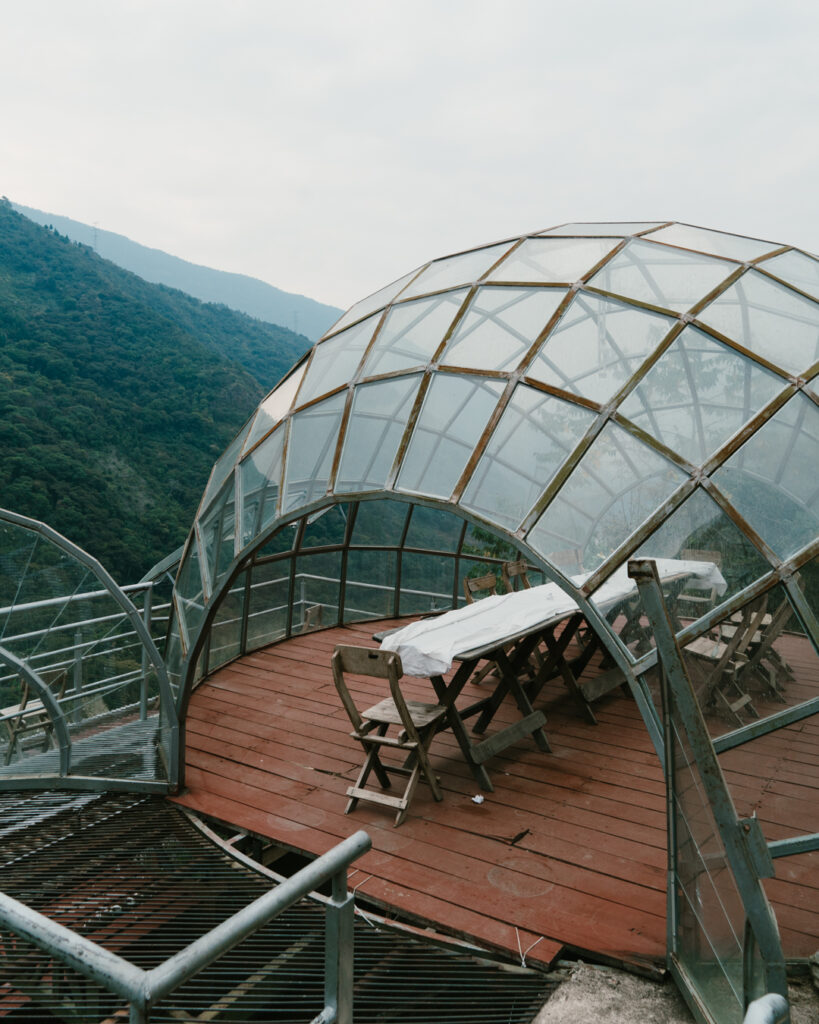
x: 143, y: 989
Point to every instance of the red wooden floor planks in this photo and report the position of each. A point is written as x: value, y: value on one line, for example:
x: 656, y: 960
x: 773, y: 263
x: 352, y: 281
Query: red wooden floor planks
x: 568, y: 850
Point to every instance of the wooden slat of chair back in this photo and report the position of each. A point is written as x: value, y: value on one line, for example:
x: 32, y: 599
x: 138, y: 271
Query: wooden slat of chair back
x: 368, y: 662
x: 475, y: 584
x: 511, y: 571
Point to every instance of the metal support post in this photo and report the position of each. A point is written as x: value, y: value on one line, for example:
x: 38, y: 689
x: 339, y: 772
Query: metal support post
x: 338, y: 951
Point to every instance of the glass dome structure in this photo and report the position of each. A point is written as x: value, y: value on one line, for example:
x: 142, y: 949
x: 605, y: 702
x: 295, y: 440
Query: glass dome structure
x: 573, y: 396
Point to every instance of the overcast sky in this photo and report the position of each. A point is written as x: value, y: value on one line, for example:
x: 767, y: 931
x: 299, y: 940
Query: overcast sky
x: 329, y: 147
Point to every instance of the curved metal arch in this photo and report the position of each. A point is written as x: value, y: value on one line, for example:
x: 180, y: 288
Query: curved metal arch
x: 122, y: 599
x: 49, y: 703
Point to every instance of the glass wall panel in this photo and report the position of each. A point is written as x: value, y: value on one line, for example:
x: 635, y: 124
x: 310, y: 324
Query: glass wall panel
x: 311, y: 447
x: 260, y: 474
x: 466, y: 268
x: 715, y: 243
x: 412, y: 332
x: 660, y: 276
x: 336, y: 360
x: 375, y: 301
x: 770, y: 320
x: 269, y: 603
x: 455, y: 412
x: 772, y: 481
x: 797, y: 269
x: 597, y: 346
x: 434, y: 529
x: 500, y: 326
x: 225, y: 640
x: 317, y: 585
x: 618, y: 483
x: 189, y: 592
x: 698, y: 394
x: 553, y: 259
x: 275, y: 406
x: 217, y: 529
x: 380, y: 523
x: 282, y: 540
x: 621, y: 228
x: 224, y: 466
x: 377, y: 422
x: 426, y: 583
x: 371, y: 581
x: 325, y: 528
x: 532, y: 439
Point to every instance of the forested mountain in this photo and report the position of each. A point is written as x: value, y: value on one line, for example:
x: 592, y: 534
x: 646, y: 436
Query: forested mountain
x: 116, y: 396
x: 247, y: 294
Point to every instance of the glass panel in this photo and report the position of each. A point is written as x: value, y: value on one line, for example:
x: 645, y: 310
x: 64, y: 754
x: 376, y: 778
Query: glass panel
x: 325, y: 528
x: 224, y: 466
x: 315, y: 599
x: 269, y: 603
x: 795, y: 268
x: 225, y: 639
x: 282, y: 540
x: 660, y: 276
x: 217, y: 530
x: 532, y: 439
x: 716, y: 243
x: 377, y: 422
x: 772, y: 479
x: 618, y: 483
x: 335, y: 362
x: 455, y: 412
x: 614, y: 228
x: 370, y: 587
x: 380, y: 523
x: 597, y: 346
x: 426, y: 583
x: 312, y: 445
x: 552, y: 259
x: 260, y: 474
x: 276, y: 405
x: 769, y: 320
x: 698, y: 394
x: 500, y: 327
x: 189, y: 592
x: 434, y: 529
x: 487, y: 544
x: 465, y: 268
x: 375, y: 301
x: 412, y: 332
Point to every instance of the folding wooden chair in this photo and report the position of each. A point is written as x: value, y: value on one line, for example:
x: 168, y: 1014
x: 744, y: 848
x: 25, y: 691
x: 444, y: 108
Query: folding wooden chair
x: 514, y: 572
x: 696, y: 599
x: 488, y: 585
x: 418, y: 723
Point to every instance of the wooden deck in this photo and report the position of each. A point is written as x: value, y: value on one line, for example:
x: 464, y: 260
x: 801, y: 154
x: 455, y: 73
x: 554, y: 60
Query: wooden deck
x: 569, y: 851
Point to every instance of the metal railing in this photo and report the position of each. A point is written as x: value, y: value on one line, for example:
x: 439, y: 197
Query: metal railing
x: 144, y: 989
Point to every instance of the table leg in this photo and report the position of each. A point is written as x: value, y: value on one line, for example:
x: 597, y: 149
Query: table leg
x: 447, y: 696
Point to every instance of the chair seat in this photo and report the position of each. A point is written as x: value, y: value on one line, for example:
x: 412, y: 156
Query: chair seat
x: 421, y: 714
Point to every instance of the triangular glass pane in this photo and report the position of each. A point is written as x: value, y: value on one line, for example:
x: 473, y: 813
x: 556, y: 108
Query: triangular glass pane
x: 224, y: 466
x: 261, y: 475
x: 660, y: 276
x: 622, y: 229
x: 500, y: 326
x: 412, y: 332
x: 466, y: 268
x: 552, y: 259
x: 372, y: 303
x: 189, y: 593
x: 455, y: 412
x: 311, y: 447
x: 216, y: 529
x: 378, y: 418
x: 532, y: 439
x: 597, y: 346
x: 275, y: 406
x: 380, y: 523
x: 797, y: 269
x: 616, y: 486
x: 769, y: 319
x: 772, y: 480
x: 715, y: 243
x: 335, y: 361
x: 698, y: 394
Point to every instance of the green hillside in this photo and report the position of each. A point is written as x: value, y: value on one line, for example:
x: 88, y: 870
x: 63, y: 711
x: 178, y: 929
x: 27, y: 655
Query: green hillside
x: 116, y: 396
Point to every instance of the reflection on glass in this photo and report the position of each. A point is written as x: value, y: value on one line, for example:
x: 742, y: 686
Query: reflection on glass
x: 217, y: 529
x: 455, y: 412
x: 617, y: 484
x: 795, y: 268
x: 768, y: 319
x: 466, y: 268
x: 771, y: 480
x: 597, y: 346
x: 334, y: 362
x: 698, y: 394
x: 276, y: 405
x: 553, y: 259
x: 378, y: 418
x: 533, y: 437
x: 311, y: 447
x: 661, y: 276
x: 260, y: 475
x: 499, y: 327
x: 412, y: 333
x: 189, y: 591
x: 715, y: 243
x: 224, y: 466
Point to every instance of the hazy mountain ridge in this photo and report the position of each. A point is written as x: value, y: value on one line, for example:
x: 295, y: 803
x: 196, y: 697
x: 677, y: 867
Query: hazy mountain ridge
x: 246, y: 294
x: 117, y: 396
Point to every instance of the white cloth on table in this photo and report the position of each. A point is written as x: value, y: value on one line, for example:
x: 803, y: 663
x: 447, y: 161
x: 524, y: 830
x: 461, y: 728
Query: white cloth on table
x: 428, y: 647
